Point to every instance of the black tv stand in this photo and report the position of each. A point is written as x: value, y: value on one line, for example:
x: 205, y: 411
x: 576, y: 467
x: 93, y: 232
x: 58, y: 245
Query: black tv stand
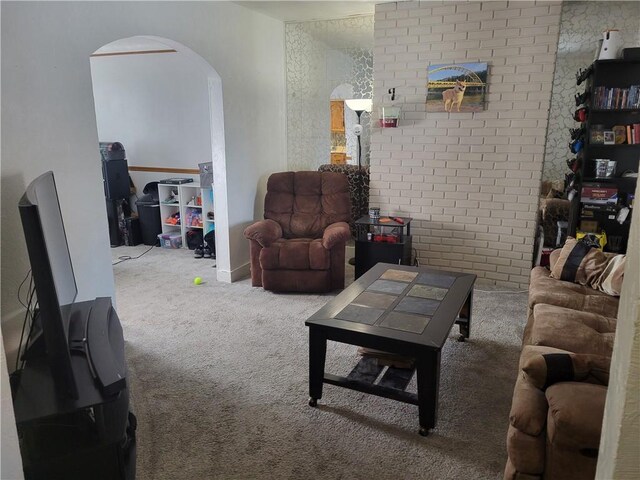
x: 98, y: 435
x: 98, y: 367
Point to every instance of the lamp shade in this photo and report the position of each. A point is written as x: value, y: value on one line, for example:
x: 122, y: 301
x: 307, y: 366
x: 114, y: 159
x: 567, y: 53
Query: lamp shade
x: 360, y: 104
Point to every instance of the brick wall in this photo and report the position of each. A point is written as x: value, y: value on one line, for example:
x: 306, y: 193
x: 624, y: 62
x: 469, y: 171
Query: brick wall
x: 470, y: 180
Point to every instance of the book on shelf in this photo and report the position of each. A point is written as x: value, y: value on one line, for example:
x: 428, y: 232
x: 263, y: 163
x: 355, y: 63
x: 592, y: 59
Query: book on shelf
x: 631, y: 135
x: 615, y: 98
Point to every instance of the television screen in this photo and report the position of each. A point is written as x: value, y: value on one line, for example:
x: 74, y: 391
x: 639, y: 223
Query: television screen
x: 53, y: 276
x: 46, y: 197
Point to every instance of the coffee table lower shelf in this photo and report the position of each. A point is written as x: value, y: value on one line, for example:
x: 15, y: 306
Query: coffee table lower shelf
x: 362, y: 379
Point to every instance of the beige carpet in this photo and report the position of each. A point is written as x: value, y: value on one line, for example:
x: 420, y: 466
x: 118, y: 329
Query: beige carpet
x: 219, y: 384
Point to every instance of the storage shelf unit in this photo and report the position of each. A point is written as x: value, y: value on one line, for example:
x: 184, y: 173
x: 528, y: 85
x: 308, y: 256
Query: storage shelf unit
x: 609, y: 74
x: 186, y: 192
x: 167, y: 209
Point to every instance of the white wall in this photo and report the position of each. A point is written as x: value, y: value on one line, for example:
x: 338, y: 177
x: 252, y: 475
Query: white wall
x: 322, y: 55
x: 157, y: 106
x: 620, y: 440
x: 49, y: 121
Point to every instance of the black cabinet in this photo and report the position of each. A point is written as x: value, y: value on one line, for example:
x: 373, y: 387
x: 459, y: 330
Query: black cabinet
x: 382, y: 240
x: 612, y: 104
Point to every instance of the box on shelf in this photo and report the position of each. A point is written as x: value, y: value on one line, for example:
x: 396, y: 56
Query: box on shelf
x: 599, y: 194
x: 170, y: 240
x: 206, y: 174
x: 176, y: 180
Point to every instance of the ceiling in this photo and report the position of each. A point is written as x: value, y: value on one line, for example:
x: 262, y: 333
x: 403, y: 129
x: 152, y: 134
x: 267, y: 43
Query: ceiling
x: 286, y: 11
x: 303, y: 11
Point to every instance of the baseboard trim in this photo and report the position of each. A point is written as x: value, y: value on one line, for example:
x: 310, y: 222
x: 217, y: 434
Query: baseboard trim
x: 234, y: 275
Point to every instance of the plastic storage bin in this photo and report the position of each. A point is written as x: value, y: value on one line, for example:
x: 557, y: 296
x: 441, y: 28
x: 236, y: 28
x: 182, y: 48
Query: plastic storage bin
x: 170, y: 240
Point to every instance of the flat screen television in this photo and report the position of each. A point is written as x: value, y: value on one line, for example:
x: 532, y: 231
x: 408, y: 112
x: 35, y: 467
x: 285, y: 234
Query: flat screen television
x: 70, y: 398
x: 53, y: 276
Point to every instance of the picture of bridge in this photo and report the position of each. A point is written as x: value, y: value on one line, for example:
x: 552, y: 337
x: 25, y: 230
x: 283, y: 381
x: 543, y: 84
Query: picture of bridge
x: 456, y: 87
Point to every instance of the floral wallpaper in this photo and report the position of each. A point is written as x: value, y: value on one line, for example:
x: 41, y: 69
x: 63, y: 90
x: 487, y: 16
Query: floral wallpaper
x: 580, y: 29
x: 322, y: 55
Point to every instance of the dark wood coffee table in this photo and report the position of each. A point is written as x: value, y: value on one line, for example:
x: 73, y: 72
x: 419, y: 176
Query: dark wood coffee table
x: 403, y: 310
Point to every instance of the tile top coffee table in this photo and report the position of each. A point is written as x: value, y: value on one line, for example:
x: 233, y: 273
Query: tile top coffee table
x: 399, y: 309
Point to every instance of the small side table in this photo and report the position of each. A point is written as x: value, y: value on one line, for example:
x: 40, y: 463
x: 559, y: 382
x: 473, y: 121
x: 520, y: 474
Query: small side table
x: 371, y: 252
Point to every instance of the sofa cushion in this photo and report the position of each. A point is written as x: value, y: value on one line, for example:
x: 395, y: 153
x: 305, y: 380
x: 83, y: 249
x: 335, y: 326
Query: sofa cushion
x: 545, y: 289
x: 577, y: 332
x: 295, y: 254
x: 564, y: 463
x: 575, y: 414
x: 305, y: 203
x: 543, y: 370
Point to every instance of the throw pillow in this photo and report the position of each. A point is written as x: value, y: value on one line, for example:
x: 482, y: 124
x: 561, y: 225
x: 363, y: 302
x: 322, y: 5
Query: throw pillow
x: 579, y: 263
x: 544, y: 370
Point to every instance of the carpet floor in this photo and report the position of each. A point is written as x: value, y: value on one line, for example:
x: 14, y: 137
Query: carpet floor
x: 219, y: 383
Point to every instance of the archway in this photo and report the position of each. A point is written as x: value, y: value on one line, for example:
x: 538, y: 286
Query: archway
x: 204, y: 145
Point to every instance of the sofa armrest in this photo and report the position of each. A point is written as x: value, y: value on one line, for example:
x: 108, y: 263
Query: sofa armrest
x: 528, y: 408
x: 544, y: 370
x: 334, y: 234
x: 265, y: 232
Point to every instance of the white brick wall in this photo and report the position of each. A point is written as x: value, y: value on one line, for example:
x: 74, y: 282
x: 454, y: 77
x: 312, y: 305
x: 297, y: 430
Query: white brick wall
x: 470, y: 181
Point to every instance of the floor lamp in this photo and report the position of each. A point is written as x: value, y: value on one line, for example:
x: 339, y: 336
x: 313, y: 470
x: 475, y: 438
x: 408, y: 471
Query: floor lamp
x: 359, y: 105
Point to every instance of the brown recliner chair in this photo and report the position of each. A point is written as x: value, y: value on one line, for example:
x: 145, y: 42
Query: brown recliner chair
x: 300, y: 245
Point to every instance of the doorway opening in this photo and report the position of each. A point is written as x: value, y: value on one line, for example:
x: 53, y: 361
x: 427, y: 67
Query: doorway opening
x: 163, y: 103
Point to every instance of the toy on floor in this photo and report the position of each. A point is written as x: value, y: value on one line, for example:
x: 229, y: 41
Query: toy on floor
x: 197, y: 281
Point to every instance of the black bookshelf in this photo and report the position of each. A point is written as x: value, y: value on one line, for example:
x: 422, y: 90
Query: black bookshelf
x: 621, y: 74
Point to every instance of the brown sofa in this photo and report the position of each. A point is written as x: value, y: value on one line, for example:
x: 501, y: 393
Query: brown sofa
x: 555, y: 420
x: 300, y: 245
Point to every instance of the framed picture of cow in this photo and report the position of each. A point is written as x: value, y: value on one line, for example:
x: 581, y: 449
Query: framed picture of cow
x: 454, y: 88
